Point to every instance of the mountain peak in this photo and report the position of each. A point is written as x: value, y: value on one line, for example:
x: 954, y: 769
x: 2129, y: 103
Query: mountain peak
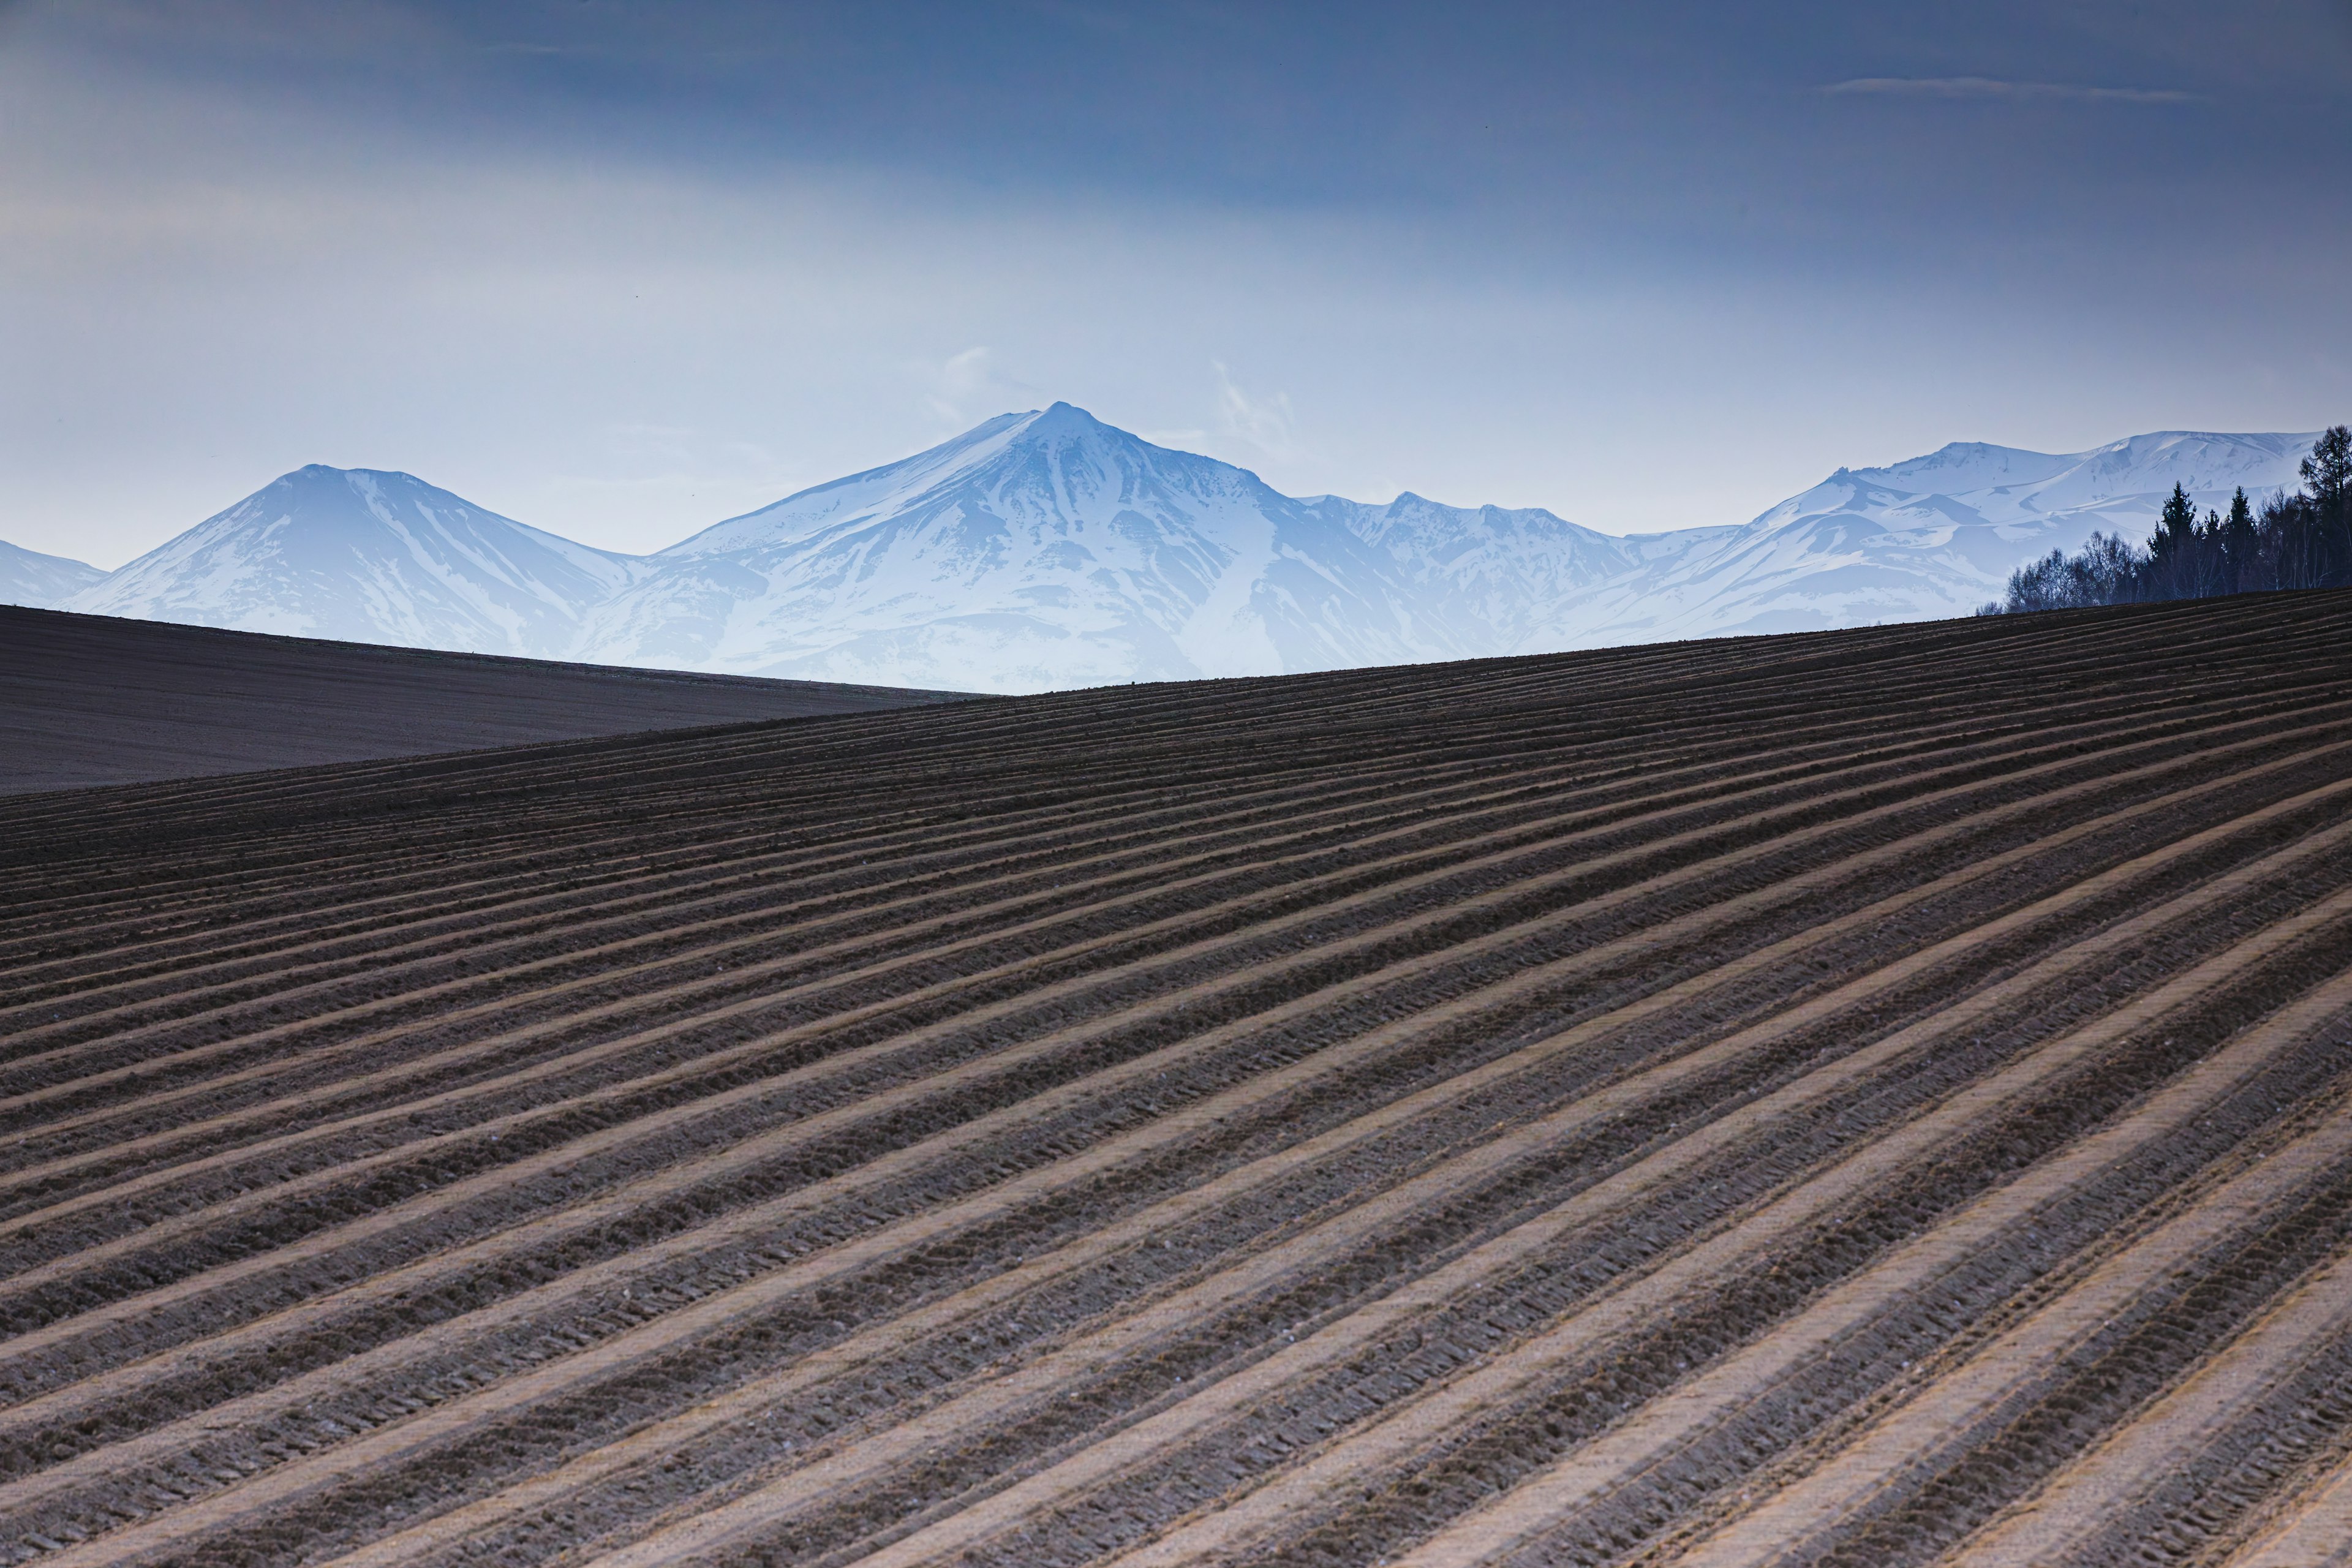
x: 318, y: 476
x: 369, y: 554
x: 1059, y: 438
x: 1065, y: 420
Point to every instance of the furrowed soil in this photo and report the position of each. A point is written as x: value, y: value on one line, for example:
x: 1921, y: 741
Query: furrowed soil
x: 1868, y: 1097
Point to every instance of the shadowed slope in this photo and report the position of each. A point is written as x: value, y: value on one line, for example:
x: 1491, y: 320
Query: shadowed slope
x: 91, y: 700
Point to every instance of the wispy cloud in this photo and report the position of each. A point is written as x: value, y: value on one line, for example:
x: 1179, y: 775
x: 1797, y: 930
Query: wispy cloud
x: 966, y: 387
x: 1983, y: 87
x: 1261, y: 423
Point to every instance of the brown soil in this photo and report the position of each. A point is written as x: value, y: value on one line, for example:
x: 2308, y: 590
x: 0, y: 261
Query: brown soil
x: 1875, y: 1098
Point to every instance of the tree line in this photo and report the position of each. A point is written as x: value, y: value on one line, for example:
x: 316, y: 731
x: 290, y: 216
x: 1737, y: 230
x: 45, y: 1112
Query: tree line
x: 2299, y: 540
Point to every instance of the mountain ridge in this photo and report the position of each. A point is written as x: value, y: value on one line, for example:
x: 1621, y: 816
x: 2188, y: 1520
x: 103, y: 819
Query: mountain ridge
x: 1045, y: 548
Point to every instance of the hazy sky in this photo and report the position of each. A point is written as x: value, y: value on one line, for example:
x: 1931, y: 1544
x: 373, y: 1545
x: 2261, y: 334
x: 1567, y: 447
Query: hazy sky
x: 622, y: 270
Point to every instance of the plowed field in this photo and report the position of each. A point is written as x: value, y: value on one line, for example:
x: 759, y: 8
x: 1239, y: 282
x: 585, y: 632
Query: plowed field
x: 1873, y: 1098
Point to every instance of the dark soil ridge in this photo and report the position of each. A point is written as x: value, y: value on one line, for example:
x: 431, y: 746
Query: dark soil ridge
x: 89, y: 701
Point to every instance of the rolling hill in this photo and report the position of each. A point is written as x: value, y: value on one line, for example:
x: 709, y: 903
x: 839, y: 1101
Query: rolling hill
x: 94, y: 700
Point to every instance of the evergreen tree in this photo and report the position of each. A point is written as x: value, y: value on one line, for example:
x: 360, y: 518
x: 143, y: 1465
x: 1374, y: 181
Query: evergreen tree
x: 2212, y: 558
x: 2327, y: 480
x: 2240, y: 546
x: 2327, y: 472
x: 2171, y: 549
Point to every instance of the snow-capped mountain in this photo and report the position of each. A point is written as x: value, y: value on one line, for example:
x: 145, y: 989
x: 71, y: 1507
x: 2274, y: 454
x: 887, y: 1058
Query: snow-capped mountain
x: 29, y: 577
x: 366, y: 556
x: 1931, y: 537
x: 1048, y: 549
x: 1038, y: 550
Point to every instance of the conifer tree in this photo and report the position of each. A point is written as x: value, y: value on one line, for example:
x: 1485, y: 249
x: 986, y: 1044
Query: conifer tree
x: 2327, y: 472
x: 2327, y: 480
x: 2240, y: 545
x: 2172, y: 548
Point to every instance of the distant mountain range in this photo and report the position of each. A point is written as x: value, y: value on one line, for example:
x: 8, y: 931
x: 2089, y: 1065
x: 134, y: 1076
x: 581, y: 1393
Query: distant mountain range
x: 1048, y: 549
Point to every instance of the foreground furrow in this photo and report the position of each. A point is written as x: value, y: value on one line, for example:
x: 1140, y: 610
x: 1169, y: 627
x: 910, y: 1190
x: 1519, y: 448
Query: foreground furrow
x: 1623, y: 1473
x: 1503, y: 1168
x: 2318, y: 1531
x: 1389, y: 1449
x: 1419, y: 1112
x: 643, y: 1196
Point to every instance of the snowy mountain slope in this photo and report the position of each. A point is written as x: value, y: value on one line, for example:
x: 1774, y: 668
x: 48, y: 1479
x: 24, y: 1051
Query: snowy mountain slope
x: 29, y: 577
x: 1039, y: 549
x: 877, y: 492
x: 1482, y: 578
x: 363, y: 555
x: 1934, y: 536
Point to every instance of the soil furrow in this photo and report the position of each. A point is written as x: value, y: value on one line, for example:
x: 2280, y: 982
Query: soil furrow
x: 1421, y: 1107
x: 1384, y: 1448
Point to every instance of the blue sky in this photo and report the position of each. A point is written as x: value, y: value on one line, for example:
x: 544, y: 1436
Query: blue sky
x: 623, y: 270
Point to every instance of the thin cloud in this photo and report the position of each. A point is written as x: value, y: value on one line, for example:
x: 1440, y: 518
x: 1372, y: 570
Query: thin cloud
x: 1262, y: 424
x: 966, y: 388
x: 1983, y: 87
